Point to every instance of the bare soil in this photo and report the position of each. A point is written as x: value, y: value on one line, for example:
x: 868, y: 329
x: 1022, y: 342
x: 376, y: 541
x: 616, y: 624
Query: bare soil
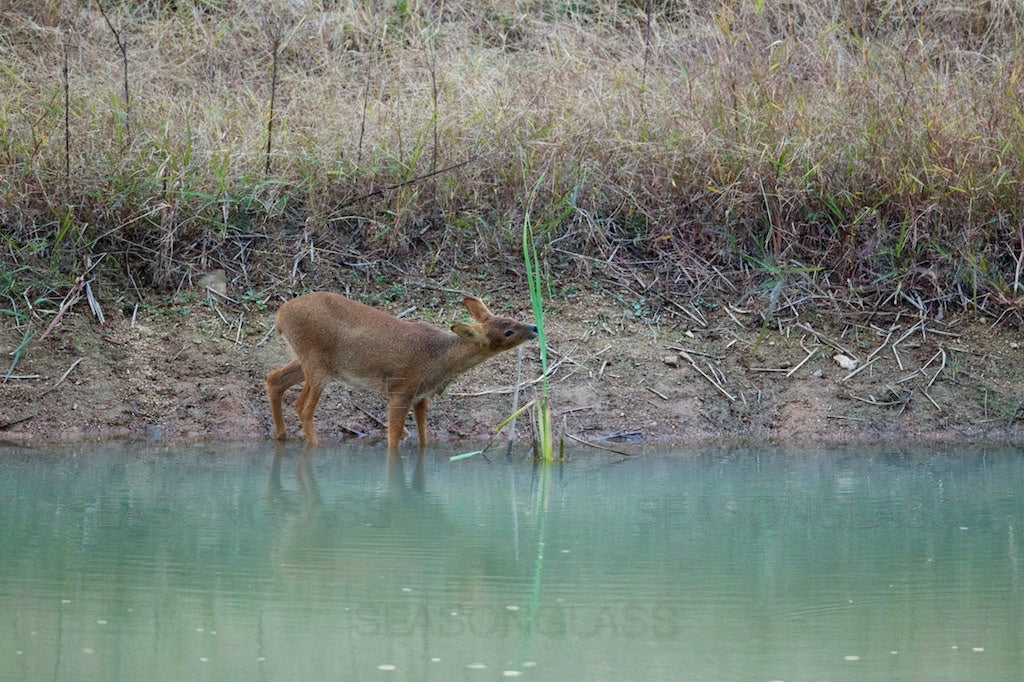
x: 196, y: 372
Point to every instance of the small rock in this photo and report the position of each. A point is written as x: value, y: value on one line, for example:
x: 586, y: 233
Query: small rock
x: 845, y: 361
x: 671, y: 360
x: 817, y: 374
x: 1014, y: 345
x: 214, y: 280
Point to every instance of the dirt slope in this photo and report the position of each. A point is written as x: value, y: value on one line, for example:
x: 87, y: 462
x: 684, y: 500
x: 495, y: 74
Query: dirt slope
x: 196, y: 372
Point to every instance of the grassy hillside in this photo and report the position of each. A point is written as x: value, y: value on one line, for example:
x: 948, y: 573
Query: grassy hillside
x: 860, y: 149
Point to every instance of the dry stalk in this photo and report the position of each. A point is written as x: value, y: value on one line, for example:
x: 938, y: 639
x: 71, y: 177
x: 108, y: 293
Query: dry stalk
x: 694, y: 315
x: 810, y: 355
x: 180, y: 351
x: 517, y: 382
x: 94, y: 304
x: 709, y: 379
x: 879, y: 349
x: 692, y: 351
x: 220, y: 314
x: 846, y: 418
x: 871, y: 400
x: 732, y: 317
x: 826, y: 339
x: 941, y: 367
x: 505, y: 391
x: 72, y: 297
x: 895, y: 353
x: 858, y: 370
x: 122, y: 46
x: 924, y: 391
x: 263, y: 339
x: 906, y: 334
x: 275, y: 40
x: 67, y: 119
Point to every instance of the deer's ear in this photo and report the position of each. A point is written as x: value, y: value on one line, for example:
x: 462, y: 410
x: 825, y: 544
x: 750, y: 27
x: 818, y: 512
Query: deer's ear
x: 477, y: 309
x: 470, y: 332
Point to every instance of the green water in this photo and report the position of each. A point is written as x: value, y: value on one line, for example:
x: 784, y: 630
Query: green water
x: 133, y: 563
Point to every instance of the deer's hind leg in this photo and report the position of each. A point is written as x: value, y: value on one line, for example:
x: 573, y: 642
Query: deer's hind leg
x: 312, y: 389
x: 279, y: 381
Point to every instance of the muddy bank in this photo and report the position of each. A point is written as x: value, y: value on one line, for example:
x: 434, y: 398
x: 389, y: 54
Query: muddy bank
x: 196, y: 372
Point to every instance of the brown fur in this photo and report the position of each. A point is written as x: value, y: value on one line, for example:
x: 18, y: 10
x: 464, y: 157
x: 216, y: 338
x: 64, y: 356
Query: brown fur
x: 335, y: 338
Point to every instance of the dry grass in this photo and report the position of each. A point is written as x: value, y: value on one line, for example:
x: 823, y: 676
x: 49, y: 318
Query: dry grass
x: 870, y: 148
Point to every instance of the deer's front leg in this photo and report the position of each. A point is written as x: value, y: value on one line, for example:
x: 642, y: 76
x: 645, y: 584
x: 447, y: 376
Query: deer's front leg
x: 419, y: 410
x: 398, y: 410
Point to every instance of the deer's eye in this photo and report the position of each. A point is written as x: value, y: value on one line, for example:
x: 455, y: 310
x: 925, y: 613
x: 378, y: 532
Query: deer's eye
x: 509, y: 333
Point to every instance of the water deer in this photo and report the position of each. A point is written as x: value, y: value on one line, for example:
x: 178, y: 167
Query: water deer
x: 336, y: 338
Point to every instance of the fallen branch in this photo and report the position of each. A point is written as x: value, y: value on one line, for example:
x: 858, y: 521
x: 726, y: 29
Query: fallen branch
x: 599, y: 447
x: 399, y: 185
x: 372, y: 416
x: 660, y: 395
x: 14, y: 422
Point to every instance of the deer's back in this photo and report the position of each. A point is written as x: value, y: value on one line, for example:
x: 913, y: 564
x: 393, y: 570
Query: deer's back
x: 356, y: 342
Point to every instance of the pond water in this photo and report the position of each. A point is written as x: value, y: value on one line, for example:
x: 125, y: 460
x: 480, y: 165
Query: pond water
x: 127, y: 562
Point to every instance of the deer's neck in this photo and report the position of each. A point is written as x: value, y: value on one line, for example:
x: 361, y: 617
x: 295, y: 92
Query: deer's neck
x: 459, y: 356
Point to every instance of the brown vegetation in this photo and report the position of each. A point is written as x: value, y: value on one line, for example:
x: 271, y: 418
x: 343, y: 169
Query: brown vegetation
x: 873, y: 146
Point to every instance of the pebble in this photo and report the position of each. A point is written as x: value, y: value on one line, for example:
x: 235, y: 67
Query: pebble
x: 845, y: 361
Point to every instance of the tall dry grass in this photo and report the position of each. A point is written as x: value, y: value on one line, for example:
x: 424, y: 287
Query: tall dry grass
x: 871, y: 147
